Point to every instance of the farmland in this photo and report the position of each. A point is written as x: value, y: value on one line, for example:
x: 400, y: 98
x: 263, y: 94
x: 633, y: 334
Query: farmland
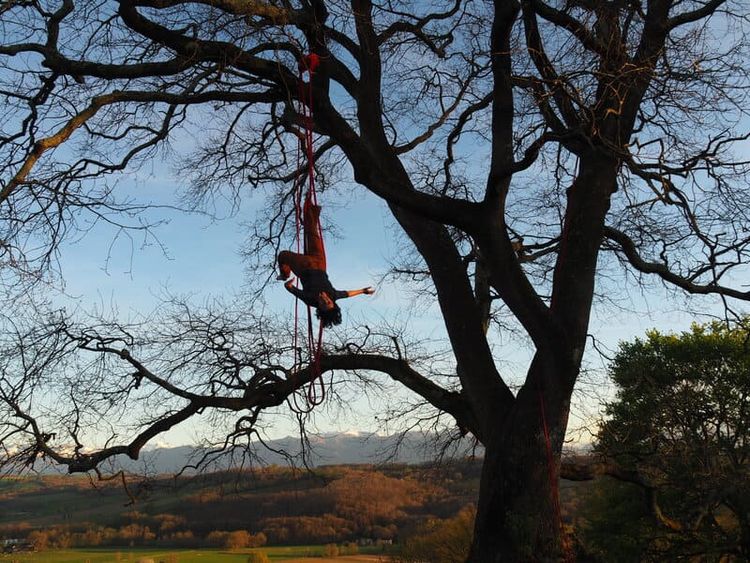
x: 295, y: 554
x: 290, y: 515
x: 272, y: 506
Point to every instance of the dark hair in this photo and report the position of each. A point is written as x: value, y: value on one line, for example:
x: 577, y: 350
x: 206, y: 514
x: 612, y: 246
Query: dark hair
x: 330, y: 317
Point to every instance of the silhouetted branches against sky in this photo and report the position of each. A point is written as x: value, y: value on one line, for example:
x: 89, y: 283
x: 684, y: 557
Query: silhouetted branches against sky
x: 512, y: 143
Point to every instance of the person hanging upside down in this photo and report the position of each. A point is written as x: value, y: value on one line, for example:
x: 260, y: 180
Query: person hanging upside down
x: 310, y: 268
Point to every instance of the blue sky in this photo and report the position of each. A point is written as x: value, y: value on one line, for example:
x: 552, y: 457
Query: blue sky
x: 195, y: 253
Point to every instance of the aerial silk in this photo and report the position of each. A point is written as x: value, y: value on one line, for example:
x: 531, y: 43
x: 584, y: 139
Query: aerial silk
x: 316, y: 390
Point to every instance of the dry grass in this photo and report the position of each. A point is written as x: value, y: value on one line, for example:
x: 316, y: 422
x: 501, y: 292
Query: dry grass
x: 342, y: 559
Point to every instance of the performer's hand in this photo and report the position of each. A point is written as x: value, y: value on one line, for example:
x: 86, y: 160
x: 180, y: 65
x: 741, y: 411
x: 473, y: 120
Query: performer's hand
x: 368, y: 290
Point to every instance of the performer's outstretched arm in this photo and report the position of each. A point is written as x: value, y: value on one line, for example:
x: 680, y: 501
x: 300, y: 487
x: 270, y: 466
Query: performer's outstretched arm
x: 353, y: 292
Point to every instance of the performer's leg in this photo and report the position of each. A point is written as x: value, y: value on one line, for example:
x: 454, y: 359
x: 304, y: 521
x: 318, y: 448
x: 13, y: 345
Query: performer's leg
x: 293, y: 262
x: 313, y: 243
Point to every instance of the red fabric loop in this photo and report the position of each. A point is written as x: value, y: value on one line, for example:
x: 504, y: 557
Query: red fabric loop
x: 309, y: 63
x: 316, y: 390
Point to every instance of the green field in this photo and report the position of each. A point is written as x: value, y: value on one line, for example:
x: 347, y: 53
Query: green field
x: 133, y: 555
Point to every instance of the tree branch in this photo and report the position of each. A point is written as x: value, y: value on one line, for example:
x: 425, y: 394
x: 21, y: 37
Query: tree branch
x: 588, y: 471
x: 236, y: 7
x: 98, y: 102
x: 399, y: 370
x: 687, y: 17
x: 568, y: 22
x: 629, y: 249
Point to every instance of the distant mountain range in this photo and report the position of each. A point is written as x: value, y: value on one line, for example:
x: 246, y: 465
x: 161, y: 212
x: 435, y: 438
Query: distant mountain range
x: 321, y: 449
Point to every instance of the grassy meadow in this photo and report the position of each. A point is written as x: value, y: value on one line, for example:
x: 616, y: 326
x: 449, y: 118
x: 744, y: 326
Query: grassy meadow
x: 289, y: 554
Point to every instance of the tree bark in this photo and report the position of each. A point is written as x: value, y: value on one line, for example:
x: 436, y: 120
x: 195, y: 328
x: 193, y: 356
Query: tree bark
x: 743, y: 517
x: 518, y: 515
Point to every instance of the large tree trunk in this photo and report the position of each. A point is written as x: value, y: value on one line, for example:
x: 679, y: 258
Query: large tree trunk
x: 742, y: 512
x: 518, y: 516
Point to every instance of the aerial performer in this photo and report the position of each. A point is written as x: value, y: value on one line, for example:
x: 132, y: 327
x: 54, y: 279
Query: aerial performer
x: 310, y: 267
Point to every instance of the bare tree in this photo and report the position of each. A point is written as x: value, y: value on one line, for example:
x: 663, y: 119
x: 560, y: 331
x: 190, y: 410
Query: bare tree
x: 522, y: 147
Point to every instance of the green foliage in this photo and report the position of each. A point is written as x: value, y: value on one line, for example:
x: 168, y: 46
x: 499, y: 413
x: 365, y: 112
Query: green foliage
x: 680, y: 422
x: 614, y: 522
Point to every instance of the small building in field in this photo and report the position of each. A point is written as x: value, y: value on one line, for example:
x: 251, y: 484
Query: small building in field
x: 14, y: 545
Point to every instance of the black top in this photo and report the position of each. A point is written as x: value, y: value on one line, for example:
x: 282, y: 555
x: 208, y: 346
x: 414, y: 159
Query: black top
x: 313, y: 282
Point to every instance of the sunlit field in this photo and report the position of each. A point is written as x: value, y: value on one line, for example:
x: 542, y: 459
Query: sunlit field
x: 134, y: 555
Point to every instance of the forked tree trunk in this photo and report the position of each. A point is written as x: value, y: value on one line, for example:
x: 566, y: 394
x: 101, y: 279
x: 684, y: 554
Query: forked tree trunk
x: 518, y: 518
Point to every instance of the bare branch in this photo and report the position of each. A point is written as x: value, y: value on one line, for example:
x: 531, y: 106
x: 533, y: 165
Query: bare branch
x: 629, y: 249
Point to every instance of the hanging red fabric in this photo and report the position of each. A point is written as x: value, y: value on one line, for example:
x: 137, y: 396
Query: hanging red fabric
x: 316, y: 390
